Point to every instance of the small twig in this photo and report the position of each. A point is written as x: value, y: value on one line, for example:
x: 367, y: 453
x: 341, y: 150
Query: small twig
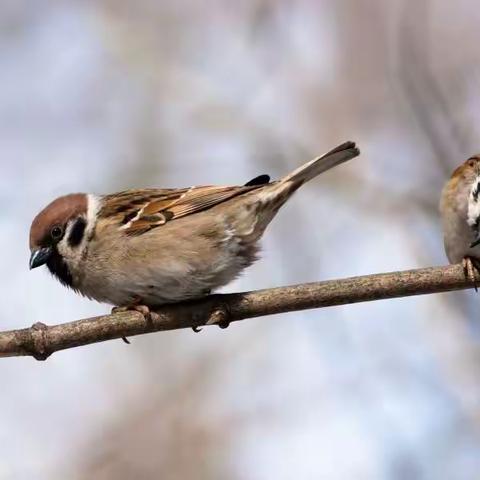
x: 40, y: 341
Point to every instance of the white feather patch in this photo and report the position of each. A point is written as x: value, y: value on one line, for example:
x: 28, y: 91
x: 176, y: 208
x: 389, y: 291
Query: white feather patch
x: 474, y: 205
x: 135, y: 218
x: 163, y: 220
x: 93, y: 206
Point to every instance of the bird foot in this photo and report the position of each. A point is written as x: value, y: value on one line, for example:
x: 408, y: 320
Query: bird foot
x: 219, y: 317
x: 143, y: 309
x: 471, y: 268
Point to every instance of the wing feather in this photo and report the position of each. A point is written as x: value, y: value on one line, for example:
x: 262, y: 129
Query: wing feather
x: 139, y: 211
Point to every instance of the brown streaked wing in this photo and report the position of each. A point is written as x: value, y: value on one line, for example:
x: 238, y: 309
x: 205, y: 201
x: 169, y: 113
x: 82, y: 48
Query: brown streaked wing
x: 129, y: 201
x: 156, y: 207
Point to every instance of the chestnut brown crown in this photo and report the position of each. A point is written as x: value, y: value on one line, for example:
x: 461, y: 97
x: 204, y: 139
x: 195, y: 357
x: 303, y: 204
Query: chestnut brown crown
x: 469, y: 169
x: 49, y: 225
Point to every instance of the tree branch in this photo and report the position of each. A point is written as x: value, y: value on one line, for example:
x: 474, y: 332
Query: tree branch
x: 41, y: 340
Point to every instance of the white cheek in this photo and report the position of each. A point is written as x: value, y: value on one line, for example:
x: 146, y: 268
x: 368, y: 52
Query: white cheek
x: 62, y: 247
x: 474, y: 204
x: 74, y: 256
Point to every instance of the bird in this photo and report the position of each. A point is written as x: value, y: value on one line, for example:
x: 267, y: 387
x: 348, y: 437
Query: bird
x: 142, y: 248
x: 460, y: 212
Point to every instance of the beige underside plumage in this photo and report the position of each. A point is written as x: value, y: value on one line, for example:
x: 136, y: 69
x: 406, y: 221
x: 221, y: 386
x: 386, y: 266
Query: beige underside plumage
x: 458, y: 235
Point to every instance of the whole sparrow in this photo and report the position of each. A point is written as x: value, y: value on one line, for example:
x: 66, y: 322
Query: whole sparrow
x: 460, y: 209
x: 139, y: 249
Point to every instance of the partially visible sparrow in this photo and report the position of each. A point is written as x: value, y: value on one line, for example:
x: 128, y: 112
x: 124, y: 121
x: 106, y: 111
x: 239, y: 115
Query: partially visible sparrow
x: 460, y: 209
x: 138, y: 249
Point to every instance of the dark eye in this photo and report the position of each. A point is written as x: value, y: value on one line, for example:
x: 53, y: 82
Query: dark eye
x: 56, y: 232
x: 473, y: 161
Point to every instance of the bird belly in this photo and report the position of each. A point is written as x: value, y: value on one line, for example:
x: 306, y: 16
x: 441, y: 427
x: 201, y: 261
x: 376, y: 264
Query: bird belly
x: 458, y: 236
x: 186, y: 273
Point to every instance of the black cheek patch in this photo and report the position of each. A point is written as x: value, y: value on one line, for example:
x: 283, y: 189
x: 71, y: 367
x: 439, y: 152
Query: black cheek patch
x: 77, y: 232
x: 476, y: 192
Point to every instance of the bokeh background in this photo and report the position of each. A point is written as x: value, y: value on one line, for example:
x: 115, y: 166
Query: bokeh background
x: 105, y: 95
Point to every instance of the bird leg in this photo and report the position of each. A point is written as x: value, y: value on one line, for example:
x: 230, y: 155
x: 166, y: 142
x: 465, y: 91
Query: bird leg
x: 219, y: 316
x: 143, y: 309
x: 471, y: 266
x: 197, y: 328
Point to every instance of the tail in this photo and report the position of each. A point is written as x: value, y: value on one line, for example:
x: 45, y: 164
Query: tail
x: 279, y: 192
x: 272, y: 196
x: 338, y: 155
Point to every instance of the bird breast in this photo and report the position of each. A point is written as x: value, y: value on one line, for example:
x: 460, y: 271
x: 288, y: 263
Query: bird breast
x: 460, y: 210
x: 177, y: 261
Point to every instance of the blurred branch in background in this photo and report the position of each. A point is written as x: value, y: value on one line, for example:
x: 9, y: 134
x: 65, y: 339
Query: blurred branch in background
x: 40, y: 341
x: 432, y: 107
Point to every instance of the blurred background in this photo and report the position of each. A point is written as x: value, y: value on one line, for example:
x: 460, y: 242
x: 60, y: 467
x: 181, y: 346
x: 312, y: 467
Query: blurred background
x: 105, y: 95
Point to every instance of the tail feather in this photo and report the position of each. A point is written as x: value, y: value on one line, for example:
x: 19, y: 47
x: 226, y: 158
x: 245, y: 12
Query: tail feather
x: 273, y: 195
x: 338, y: 155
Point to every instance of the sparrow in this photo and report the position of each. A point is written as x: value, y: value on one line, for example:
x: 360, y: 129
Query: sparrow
x: 460, y: 211
x: 139, y: 249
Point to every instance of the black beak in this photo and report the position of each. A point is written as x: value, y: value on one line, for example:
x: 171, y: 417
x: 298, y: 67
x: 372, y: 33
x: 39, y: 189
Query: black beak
x: 39, y: 257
